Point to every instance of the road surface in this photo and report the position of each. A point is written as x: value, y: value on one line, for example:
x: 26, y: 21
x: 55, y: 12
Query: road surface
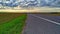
x: 42, y: 24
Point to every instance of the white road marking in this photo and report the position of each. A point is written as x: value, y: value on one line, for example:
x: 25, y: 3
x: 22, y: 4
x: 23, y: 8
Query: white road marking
x: 45, y: 19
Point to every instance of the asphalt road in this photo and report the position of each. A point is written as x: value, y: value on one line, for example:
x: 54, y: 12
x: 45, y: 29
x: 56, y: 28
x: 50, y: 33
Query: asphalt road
x: 42, y: 24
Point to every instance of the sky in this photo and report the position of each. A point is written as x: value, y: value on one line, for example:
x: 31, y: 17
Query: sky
x: 42, y: 2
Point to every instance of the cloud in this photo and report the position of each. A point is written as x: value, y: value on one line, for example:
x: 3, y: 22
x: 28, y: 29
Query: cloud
x: 33, y: 2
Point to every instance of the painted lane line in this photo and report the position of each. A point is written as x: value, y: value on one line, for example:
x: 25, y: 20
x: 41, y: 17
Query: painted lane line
x: 46, y: 19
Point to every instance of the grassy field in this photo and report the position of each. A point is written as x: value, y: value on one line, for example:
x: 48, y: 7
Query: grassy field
x: 12, y: 23
x: 50, y: 14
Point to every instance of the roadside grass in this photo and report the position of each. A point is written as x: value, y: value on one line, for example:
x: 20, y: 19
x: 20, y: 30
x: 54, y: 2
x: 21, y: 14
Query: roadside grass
x: 4, y: 17
x: 13, y: 26
x: 53, y: 14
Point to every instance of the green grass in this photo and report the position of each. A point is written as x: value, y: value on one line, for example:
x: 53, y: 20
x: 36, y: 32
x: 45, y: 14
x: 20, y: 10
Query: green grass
x: 13, y: 26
